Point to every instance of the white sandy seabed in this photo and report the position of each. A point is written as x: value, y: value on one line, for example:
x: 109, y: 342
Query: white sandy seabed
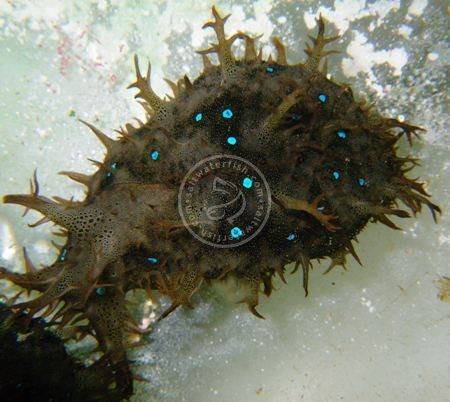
x: 377, y: 333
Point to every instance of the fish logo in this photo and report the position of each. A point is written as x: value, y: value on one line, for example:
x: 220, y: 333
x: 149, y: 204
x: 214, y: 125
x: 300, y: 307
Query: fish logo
x: 234, y: 201
x: 224, y: 201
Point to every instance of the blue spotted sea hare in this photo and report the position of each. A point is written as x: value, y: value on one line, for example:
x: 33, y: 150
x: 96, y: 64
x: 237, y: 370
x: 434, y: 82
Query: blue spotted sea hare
x: 330, y: 165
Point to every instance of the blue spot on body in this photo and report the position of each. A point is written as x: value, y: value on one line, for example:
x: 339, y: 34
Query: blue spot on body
x: 108, y: 175
x: 154, y: 155
x: 227, y: 114
x: 236, y: 232
x: 198, y: 117
x: 342, y: 134
x: 361, y: 181
x: 323, y: 98
x: 114, y: 165
x: 296, y: 117
x: 247, y: 182
x: 232, y: 140
x: 336, y: 175
x: 270, y: 70
x: 152, y: 260
x: 100, y: 291
x: 292, y: 237
x: 63, y: 255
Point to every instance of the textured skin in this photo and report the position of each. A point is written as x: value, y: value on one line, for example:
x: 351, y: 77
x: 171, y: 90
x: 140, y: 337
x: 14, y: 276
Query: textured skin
x: 34, y: 365
x: 331, y: 165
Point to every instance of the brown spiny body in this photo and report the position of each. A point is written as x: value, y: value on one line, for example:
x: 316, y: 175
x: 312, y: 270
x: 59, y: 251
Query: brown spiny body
x: 331, y: 165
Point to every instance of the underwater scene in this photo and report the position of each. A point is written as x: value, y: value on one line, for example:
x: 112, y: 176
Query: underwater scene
x: 228, y: 201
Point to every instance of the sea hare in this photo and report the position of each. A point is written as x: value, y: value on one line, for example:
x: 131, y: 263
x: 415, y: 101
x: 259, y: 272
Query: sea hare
x: 254, y: 165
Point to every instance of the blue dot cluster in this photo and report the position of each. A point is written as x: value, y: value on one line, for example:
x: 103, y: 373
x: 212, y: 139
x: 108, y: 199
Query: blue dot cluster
x: 63, y: 255
x: 236, y: 232
x: 342, y: 134
x: 227, y: 114
x: 247, y: 182
x: 323, y: 98
x: 292, y: 236
x: 336, y: 176
x: 152, y: 260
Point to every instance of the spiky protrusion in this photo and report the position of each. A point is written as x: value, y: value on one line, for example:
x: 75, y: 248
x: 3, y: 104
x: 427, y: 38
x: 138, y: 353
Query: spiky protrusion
x: 223, y: 47
x: 158, y: 105
x: 270, y: 126
x: 179, y: 288
x: 331, y: 165
x: 316, y: 53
